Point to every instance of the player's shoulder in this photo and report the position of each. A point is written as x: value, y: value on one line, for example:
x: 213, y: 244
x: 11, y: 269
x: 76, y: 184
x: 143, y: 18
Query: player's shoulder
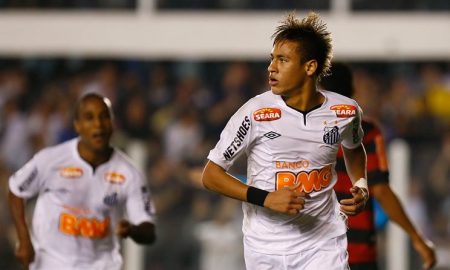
x: 335, y: 98
x: 123, y: 160
x: 264, y: 100
x: 57, y: 150
x: 341, y: 106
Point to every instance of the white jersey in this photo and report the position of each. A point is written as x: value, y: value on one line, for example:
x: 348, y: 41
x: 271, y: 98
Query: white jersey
x: 285, y: 147
x: 78, y: 208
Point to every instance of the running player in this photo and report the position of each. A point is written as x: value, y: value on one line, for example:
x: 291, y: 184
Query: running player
x: 291, y: 135
x: 361, y: 234
x: 82, y: 187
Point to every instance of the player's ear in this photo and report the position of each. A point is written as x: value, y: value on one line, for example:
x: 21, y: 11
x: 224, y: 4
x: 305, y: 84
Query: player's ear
x: 311, y: 67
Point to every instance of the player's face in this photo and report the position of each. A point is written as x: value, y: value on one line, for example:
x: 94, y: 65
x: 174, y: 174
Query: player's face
x: 286, y: 72
x: 94, y: 124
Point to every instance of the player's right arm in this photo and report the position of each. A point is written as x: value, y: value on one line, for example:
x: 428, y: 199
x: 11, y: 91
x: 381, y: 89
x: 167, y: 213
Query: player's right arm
x: 25, y: 250
x: 23, y: 184
x: 286, y: 201
x: 237, y: 136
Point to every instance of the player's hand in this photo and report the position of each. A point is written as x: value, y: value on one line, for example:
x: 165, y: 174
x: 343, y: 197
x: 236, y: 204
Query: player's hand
x: 25, y: 253
x: 425, y: 248
x: 123, y: 229
x: 287, y: 201
x: 356, y: 204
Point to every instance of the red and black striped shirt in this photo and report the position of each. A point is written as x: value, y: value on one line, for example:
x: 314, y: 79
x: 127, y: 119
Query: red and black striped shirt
x: 361, y: 228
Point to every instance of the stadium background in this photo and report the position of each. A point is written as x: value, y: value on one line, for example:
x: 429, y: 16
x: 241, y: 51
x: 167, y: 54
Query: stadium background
x: 176, y: 69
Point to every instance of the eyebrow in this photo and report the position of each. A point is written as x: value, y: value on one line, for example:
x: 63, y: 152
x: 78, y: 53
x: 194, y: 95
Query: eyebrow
x: 278, y: 56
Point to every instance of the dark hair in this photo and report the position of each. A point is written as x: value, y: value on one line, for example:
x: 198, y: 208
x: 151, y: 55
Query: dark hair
x: 340, y: 80
x: 87, y: 97
x: 312, y: 37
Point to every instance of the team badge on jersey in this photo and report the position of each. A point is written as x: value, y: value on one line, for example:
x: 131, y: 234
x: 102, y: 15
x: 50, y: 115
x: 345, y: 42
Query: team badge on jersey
x: 114, y: 177
x: 71, y: 172
x: 331, y: 135
x: 267, y: 114
x: 344, y: 110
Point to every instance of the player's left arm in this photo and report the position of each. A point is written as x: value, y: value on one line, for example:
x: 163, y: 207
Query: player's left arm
x: 391, y: 204
x: 393, y: 208
x: 355, y: 162
x: 140, y: 211
x: 143, y: 233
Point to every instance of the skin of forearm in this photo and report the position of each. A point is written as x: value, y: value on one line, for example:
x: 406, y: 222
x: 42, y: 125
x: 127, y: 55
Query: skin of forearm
x: 216, y: 179
x: 355, y: 162
x: 17, y: 208
x: 393, y: 208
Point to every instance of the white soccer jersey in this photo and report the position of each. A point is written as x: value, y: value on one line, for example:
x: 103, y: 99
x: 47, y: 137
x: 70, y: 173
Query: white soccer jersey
x: 78, y: 208
x: 285, y: 147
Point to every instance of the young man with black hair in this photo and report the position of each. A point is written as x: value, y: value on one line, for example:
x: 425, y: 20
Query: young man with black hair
x: 291, y: 135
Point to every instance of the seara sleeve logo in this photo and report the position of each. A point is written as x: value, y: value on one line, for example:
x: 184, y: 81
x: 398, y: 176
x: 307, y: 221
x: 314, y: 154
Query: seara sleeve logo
x: 344, y: 110
x: 267, y: 114
x: 241, y: 133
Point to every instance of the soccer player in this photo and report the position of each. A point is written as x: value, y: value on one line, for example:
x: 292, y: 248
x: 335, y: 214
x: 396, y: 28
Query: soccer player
x: 291, y: 135
x: 82, y: 188
x: 361, y: 234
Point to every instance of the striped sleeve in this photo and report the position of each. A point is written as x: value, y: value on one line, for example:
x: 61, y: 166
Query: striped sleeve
x: 377, y: 165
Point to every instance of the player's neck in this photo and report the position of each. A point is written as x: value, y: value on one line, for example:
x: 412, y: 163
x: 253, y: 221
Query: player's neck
x: 306, y: 99
x: 94, y: 158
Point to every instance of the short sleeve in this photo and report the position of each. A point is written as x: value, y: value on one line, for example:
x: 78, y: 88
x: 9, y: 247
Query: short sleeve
x: 139, y: 204
x: 26, y: 183
x: 234, y: 139
x: 354, y: 135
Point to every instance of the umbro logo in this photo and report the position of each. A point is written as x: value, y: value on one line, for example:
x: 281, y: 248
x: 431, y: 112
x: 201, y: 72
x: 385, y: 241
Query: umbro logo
x: 272, y: 135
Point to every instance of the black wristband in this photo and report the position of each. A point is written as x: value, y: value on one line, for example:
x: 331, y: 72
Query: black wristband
x: 256, y: 196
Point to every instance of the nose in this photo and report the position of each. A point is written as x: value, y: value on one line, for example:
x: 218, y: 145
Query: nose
x: 271, y: 68
x: 98, y: 122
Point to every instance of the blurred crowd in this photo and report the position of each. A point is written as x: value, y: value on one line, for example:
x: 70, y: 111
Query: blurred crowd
x: 176, y: 110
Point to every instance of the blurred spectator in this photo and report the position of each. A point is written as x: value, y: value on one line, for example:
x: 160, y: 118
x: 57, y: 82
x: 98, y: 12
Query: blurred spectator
x: 437, y: 93
x: 45, y: 121
x: 159, y: 91
x: 134, y: 117
x: 15, y: 142
x: 220, y: 242
x: 183, y: 136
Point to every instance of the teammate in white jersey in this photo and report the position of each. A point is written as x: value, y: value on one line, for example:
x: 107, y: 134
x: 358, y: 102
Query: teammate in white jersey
x: 291, y: 135
x: 83, y: 188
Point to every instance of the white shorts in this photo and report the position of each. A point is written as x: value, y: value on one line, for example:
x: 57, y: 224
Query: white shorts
x: 330, y: 255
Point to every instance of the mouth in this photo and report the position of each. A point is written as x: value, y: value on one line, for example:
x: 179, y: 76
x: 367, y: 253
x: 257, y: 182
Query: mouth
x: 100, y: 136
x: 273, y: 82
